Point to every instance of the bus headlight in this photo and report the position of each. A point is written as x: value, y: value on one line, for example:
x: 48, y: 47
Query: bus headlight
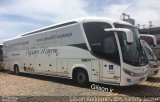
x: 129, y: 72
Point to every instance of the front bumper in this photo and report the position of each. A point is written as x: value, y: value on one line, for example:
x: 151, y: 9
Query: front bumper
x: 153, y: 71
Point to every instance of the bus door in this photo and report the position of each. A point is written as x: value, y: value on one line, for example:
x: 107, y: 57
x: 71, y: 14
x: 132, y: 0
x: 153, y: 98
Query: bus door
x: 111, y: 60
x: 110, y: 72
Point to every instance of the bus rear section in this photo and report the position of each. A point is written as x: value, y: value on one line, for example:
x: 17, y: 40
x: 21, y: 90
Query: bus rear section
x: 1, y: 58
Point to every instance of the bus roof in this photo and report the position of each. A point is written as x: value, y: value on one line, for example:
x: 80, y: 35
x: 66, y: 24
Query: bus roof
x: 79, y: 20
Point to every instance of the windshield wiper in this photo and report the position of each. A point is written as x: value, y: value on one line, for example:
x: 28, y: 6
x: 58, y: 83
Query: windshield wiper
x: 140, y: 59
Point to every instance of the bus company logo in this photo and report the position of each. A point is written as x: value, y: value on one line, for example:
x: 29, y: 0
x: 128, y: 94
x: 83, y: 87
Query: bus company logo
x: 45, y: 51
x: 32, y: 52
x: 110, y: 67
x: 49, y: 52
x: 54, y: 36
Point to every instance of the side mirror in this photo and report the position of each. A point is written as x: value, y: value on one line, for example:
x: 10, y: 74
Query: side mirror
x: 150, y: 39
x: 128, y: 33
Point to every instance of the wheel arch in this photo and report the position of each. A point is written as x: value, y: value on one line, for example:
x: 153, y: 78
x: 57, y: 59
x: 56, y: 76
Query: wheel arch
x: 80, y: 67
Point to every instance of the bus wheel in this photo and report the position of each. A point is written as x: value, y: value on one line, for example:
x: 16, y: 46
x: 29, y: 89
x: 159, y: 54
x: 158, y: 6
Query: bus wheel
x: 16, y: 70
x: 82, y: 78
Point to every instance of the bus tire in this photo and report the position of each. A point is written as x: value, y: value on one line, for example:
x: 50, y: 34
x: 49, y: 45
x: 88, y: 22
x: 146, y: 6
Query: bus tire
x: 81, y: 77
x: 16, y: 70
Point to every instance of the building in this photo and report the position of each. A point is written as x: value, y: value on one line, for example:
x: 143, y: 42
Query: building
x: 154, y: 31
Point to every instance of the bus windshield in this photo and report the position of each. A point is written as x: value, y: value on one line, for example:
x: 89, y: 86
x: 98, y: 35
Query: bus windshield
x: 149, y: 52
x: 133, y: 53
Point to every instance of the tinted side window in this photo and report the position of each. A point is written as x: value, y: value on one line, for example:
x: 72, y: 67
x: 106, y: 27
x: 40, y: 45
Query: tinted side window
x: 94, y: 32
x: 109, y: 46
x: 102, y: 43
x: 110, y: 49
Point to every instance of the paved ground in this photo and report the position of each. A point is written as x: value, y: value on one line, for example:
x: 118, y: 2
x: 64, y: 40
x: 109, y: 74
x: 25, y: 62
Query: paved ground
x: 35, y: 85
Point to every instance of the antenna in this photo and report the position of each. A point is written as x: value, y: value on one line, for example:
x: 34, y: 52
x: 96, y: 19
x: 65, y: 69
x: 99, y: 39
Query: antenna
x: 128, y: 19
x: 150, y: 24
x: 125, y: 15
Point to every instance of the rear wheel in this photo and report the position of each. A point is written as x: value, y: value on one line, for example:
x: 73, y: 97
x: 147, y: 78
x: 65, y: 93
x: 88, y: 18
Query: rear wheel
x: 82, y: 78
x: 16, y: 70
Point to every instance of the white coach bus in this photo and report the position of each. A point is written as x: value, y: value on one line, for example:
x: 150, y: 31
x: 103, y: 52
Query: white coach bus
x: 91, y: 49
x: 154, y: 64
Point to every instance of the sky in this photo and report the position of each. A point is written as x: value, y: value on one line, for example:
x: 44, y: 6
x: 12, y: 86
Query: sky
x: 20, y: 16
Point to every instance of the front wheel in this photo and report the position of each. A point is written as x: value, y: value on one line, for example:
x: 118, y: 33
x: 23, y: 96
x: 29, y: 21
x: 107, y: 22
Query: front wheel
x: 82, y: 78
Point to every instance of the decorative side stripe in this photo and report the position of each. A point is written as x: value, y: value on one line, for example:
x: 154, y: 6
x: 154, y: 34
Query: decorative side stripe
x: 81, y: 45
